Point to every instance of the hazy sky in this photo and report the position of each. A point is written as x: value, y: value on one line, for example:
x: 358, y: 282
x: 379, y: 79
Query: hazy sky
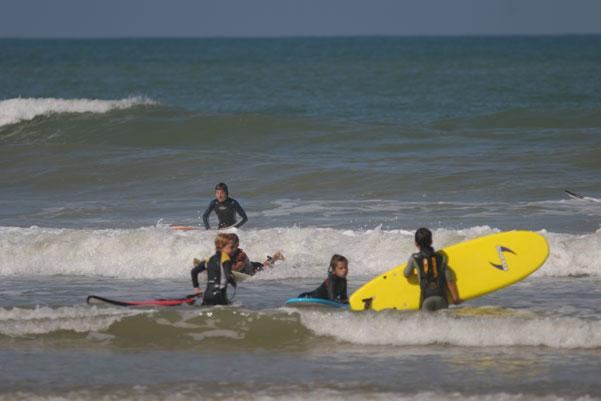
x: 183, y: 18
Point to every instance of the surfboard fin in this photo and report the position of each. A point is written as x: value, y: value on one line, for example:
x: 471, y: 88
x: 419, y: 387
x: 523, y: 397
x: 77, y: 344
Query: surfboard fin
x: 367, y: 303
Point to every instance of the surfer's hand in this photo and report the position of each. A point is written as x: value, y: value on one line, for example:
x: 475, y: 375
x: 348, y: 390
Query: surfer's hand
x: 198, y: 291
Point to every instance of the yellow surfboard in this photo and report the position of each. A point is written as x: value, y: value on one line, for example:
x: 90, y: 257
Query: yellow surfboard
x: 479, y: 266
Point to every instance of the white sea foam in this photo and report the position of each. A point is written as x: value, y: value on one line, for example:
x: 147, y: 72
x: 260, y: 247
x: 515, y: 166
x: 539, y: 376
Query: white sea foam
x: 158, y: 252
x: 464, y: 327
x: 22, y: 109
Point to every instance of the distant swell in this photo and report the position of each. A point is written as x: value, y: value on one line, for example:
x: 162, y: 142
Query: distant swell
x: 529, y: 117
x: 16, y: 110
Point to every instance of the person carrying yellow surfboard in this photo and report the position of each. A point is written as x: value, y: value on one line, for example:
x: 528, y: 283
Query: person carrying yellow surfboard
x: 433, y: 274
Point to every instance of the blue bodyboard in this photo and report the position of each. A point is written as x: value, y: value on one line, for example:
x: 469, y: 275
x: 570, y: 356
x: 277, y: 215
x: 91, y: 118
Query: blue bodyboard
x: 303, y: 302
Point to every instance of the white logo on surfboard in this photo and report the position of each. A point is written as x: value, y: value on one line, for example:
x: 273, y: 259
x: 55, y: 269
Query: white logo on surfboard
x: 501, y: 251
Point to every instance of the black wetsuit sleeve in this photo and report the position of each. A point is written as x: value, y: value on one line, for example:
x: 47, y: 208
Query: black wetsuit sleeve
x: 205, y: 216
x: 343, y: 295
x: 227, y: 268
x: 196, y: 271
x: 337, y: 289
x: 331, y: 288
x: 241, y: 213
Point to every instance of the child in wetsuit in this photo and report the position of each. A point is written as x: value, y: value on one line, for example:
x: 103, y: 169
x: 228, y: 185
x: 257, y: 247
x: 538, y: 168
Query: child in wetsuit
x: 219, y: 273
x: 334, y: 287
x: 226, y: 209
x: 242, y: 264
x: 433, y: 274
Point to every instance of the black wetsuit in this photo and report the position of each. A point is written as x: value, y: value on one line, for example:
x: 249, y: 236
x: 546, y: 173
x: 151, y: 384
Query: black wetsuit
x: 219, y: 274
x: 433, y: 274
x: 226, y: 213
x: 332, y: 289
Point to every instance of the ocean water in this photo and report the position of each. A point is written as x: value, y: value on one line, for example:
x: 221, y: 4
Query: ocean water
x: 331, y: 145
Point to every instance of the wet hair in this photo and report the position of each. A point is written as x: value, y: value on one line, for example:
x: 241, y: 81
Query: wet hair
x: 234, y: 237
x: 423, y: 237
x: 222, y: 240
x: 222, y: 186
x: 334, y: 261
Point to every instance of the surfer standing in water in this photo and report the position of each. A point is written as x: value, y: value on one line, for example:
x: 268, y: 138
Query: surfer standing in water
x: 226, y: 209
x: 433, y: 274
x: 334, y: 287
x: 219, y: 273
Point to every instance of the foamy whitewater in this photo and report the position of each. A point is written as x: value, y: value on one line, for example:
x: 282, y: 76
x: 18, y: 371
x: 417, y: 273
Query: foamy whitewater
x: 339, y: 145
x: 13, y: 111
x: 157, y: 252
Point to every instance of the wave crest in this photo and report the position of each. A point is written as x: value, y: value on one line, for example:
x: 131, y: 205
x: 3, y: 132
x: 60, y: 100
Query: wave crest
x: 16, y: 110
x: 158, y: 252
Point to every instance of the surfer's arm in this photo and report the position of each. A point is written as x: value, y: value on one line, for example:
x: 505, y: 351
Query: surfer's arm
x: 343, y: 295
x: 272, y: 259
x: 227, y: 268
x: 411, y: 265
x: 331, y: 288
x: 198, y: 268
x: 205, y: 216
x: 454, y: 294
x: 450, y: 279
x: 241, y: 213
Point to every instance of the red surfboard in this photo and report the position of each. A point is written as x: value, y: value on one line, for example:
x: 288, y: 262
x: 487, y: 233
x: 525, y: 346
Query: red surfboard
x: 189, y: 299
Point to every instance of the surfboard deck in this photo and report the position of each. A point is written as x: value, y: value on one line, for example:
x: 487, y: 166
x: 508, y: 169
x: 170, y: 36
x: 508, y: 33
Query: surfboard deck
x: 304, y: 302
x: 582, y: 197
x: 479, y: 266
x: 96, y: 300
x: 239, y: 276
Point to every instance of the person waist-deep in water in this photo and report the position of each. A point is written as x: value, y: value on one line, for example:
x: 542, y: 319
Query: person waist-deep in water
x: 334, y: 287
x: 432, y: 272
x: 219, y: 273
x: 225, y: 208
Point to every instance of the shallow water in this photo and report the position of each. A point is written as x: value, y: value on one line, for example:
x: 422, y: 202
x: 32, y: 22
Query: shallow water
x: 340, y: 145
